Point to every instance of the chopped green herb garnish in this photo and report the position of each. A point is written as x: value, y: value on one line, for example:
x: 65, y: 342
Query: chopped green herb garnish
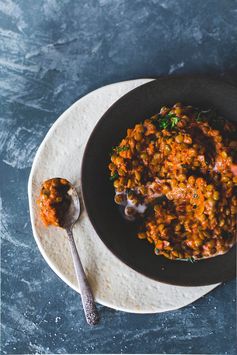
x: 201, y: 116
x: 157, y: 251
x: 164, y: 122
x: 174, y: 121
x: 114, y: 176
x: 120, y: 149
x: 167, y: 121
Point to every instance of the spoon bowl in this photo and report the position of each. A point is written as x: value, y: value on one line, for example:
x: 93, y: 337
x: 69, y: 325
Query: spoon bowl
x: 74, y: 209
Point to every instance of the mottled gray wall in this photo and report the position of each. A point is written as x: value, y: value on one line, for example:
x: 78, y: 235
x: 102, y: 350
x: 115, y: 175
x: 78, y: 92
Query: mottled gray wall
x: 51, y: 53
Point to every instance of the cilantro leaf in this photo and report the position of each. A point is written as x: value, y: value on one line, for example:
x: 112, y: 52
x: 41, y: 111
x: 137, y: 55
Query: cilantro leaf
x: 202, y: 115
x: 114, y: 176
x: 120, y: 149
x: 166, y: 122
x: 199, y: 118
x: 174, y: 121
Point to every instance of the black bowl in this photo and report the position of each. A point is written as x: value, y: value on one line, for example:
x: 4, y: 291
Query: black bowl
x: 118, y: 234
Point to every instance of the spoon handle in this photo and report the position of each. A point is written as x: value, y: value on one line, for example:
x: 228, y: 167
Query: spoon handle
x: 91, y: 313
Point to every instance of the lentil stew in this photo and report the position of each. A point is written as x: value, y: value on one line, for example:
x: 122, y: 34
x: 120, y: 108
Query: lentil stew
x: 176, y: 171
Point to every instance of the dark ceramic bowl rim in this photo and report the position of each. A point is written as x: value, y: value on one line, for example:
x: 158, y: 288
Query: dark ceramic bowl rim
x: 83, y: 182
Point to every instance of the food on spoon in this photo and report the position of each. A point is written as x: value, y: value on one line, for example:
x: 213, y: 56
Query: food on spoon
x: 54, y: 201
x: 177, y: 170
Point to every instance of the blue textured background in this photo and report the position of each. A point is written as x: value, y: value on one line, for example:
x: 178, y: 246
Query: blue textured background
x: 51, y: 53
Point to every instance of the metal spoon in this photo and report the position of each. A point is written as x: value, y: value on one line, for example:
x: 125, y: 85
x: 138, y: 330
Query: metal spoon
x: 91, y: 313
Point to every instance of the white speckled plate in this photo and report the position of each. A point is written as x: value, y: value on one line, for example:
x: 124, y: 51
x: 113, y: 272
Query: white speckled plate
x: 114, y: 284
